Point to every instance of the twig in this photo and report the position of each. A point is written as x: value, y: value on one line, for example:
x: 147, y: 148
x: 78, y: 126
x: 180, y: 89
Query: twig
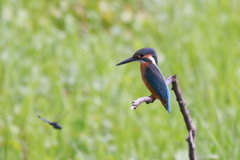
x: 182, y: 104
x: 136, y: 103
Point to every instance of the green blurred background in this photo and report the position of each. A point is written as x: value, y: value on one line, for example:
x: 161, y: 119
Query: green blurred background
x: 59, y: 56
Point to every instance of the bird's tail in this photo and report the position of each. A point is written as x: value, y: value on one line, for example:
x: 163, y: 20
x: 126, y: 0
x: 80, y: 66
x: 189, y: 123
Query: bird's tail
x: 167, y: 106
x: 168, y: 101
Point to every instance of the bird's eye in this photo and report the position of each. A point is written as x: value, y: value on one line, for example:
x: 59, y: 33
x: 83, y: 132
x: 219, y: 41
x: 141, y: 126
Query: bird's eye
x: 139, y: 56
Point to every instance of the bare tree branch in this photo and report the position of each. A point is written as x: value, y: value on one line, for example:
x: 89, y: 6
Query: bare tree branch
x: 136, y: 103
x: 182, y: 105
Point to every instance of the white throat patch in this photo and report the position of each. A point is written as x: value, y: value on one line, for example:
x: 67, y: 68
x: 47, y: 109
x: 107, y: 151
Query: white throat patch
x: 152, y: 59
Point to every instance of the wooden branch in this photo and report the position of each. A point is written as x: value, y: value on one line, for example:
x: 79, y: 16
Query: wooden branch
x: 182, y: 105
x: 136, y: 103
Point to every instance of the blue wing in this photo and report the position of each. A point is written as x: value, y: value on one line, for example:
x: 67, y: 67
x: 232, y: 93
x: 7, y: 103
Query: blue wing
x: 158, y: 83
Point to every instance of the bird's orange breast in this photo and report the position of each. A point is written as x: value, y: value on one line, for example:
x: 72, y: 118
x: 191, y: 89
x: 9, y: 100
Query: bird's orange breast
x: 143, y: 67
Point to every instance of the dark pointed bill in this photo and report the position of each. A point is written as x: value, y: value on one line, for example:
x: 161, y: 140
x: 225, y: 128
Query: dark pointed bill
x: 127, y: 61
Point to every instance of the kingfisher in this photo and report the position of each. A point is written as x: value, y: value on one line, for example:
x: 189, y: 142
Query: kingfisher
x: 151, y: 75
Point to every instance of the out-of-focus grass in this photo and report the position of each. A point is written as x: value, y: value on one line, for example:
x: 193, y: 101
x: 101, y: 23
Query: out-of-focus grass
x: 60, y: 56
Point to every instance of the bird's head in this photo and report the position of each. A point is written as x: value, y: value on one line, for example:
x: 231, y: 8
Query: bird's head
x: 143, y: 55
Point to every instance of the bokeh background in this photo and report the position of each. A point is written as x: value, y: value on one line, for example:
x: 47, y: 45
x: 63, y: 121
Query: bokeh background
x: 60, y: 57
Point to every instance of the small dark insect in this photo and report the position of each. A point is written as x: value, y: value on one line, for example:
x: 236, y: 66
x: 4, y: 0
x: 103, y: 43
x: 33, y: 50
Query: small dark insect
x: 54, y: 124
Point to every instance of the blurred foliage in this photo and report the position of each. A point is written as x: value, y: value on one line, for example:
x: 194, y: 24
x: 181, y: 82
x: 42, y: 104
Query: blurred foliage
x: 59, y: 56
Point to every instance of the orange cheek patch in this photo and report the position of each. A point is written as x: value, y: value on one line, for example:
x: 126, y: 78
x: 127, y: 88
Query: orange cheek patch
x: 147, y: 56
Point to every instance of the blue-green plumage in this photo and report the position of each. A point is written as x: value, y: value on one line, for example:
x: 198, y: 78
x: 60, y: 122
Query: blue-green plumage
x: 157, y: 82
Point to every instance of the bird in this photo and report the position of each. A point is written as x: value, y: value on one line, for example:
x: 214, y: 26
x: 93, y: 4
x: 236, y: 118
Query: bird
x: 151, y: 75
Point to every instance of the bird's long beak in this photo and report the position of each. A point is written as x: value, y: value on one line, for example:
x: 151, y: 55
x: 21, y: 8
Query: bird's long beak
x: 127, y: 61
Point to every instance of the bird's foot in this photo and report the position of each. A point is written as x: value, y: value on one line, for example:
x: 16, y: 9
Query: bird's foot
x: 153, y: 99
